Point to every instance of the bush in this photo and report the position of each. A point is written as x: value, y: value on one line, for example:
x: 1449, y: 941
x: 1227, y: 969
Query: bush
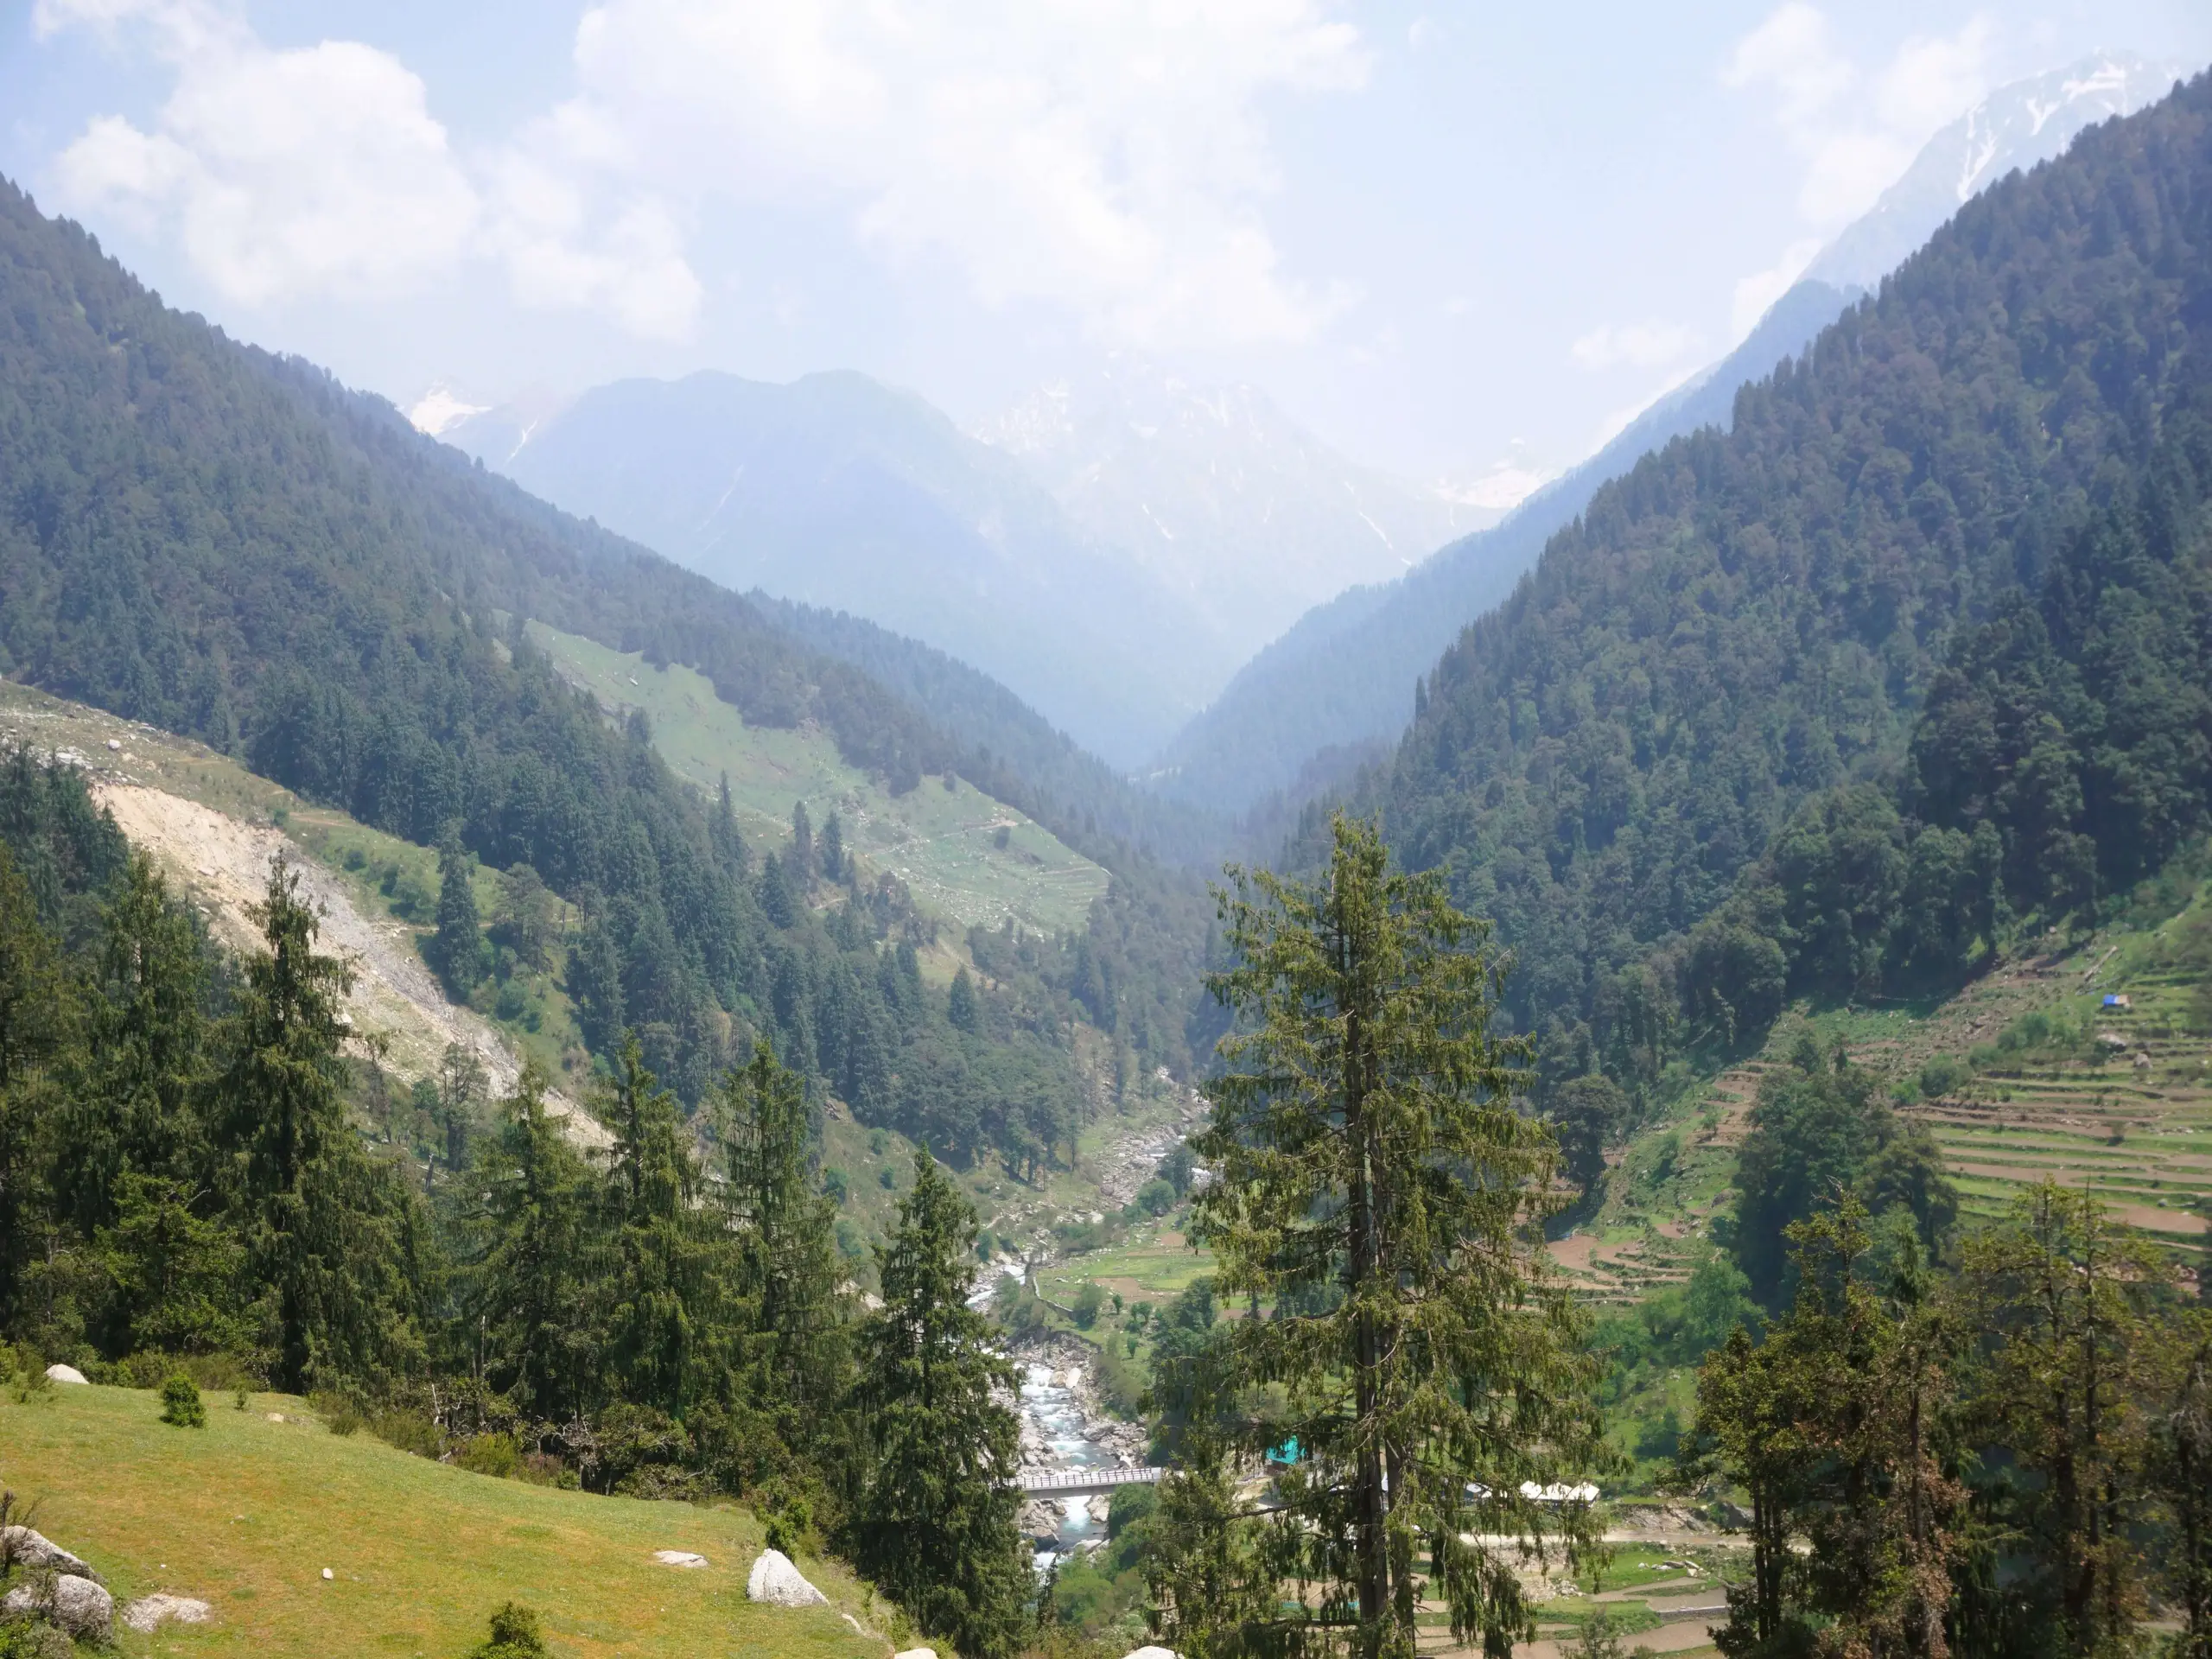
x: 180, y: 1402
x: 406, y: 1430
x: 1943, y: 1075
x: 342, y: 1414
x: 494, y: 1454
x: 1087, y: 1302
x: 515, y: 1634
x: 1156, y: 1196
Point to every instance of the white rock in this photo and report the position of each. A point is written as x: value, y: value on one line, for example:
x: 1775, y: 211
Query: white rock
x: 916, y: 1653
x: 77, y: 1605
x: 276, y: 1416
x: 776, y: 1581
x: 678, y: 1558
x: 1150, y: 1653
x: 33, y: 1549
x: 67, y: 1373
x: 148, y: 1613
x: 328, y: 1573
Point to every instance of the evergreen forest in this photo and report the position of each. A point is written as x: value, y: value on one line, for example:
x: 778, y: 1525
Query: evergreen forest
x: 1899, y: 684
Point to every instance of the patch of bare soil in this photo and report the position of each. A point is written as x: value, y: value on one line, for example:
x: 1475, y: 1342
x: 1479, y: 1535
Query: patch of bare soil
x: 222, y: 864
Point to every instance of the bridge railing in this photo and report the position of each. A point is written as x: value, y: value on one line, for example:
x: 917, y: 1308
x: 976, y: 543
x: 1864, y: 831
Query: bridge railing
x: 1035, y: 1481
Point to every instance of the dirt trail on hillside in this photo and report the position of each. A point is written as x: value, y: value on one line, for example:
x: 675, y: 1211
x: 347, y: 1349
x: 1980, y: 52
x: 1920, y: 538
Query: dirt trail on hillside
x: 223, y: 864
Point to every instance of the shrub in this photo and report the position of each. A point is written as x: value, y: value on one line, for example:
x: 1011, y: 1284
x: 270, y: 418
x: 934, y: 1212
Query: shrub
x: 1942, y: 1075
x: 342, y: 1414
x: 1087, y: 1302
x: 406, y: 1429
x: 515, y: 1634
x: 494, y: 1454
x: 180, y: 1402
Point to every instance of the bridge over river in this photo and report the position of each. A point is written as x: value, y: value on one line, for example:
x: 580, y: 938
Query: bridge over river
x: 1084, y: 1483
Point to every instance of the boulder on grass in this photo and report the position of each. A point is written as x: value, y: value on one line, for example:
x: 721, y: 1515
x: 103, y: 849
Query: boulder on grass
x: 916, y: 1653
x: 1150, y: 1653
x: 68, y: 1374
x: 78, y: 1606
x: 41, y: 1553
x: 776, y: 1581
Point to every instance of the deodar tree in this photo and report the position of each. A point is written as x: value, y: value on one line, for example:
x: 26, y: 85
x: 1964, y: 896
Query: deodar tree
x: 1405, y: 1366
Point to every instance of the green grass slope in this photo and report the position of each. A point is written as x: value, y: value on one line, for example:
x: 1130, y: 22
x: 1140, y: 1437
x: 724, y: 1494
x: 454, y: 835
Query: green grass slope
x: 246, y: 1514
x: 944, y: 844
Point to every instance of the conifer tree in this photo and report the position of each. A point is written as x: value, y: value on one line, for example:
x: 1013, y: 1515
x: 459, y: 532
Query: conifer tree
x: 960, y: 1003
x: 935, y: 1527
x: 800, y: 1350
x: 832, y: 852
x: 529, y: 1287
x: 318, y: 1220
x: 667, y: 1270
x: 456, y: 947
x: 138, y: 1104
x: 1374, y: 1173
x: 801, y: 852
x: 36, y: 1009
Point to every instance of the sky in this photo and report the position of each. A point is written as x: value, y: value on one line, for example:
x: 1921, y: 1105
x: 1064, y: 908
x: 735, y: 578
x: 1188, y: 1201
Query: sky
x: 1444, y: 238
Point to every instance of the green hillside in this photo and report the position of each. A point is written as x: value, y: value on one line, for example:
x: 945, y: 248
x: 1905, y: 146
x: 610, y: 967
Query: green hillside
x: 943, y: 842
x: 245, y: 1513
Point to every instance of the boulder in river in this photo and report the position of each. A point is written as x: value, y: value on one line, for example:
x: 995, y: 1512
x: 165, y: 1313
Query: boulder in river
x: 83, y: 1609
x: 776, y: 1581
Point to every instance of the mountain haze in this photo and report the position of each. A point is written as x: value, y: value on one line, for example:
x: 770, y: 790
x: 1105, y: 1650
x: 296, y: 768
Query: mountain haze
x: 1344, y: 675
x: 839, y: 492
x: 1222, y: 498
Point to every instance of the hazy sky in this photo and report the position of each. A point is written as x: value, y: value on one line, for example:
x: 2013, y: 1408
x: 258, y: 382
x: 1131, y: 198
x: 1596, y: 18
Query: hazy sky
x: 1430, y: 231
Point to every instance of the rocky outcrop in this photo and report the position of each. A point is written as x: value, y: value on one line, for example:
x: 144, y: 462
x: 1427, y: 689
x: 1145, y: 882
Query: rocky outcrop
x: 777, y: 1582
x: 77, y: 1607
x: 41, y: 1555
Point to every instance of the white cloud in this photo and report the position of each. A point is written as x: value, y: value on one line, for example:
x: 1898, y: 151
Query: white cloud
x: 1854, y: 132
x: 1110, y: 160
x: 318, y: 170
x: 1635, y: 345
x: 1759, y: 290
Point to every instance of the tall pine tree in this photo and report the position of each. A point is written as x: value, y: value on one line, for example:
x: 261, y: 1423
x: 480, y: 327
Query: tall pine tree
x: 321, y: 1225
x: 935, y: 1525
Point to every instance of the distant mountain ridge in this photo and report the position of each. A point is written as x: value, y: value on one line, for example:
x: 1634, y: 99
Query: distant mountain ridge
x: 1222, y: 497
x: 1343, y: 675
x: 838, y: 491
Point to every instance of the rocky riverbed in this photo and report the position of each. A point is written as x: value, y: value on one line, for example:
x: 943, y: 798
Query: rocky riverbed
x: 1063, y: 1426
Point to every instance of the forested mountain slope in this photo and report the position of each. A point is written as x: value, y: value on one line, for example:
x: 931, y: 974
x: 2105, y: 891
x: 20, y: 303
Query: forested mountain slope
x: 1914, y: 654
x: 231, y: 546
x: 1344, y: 674
x: 1017, y: 753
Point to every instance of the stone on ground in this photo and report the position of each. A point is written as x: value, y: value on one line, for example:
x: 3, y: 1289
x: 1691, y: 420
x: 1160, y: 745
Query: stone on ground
x: 77, y: 1605
x: 678, y: 1558
x: 35, y: 1550
x: 67, y: 1373
x: 916, y: 1653
x: 148, y: 1613
x: 1150, y: 1653
x: 776, y: 1581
